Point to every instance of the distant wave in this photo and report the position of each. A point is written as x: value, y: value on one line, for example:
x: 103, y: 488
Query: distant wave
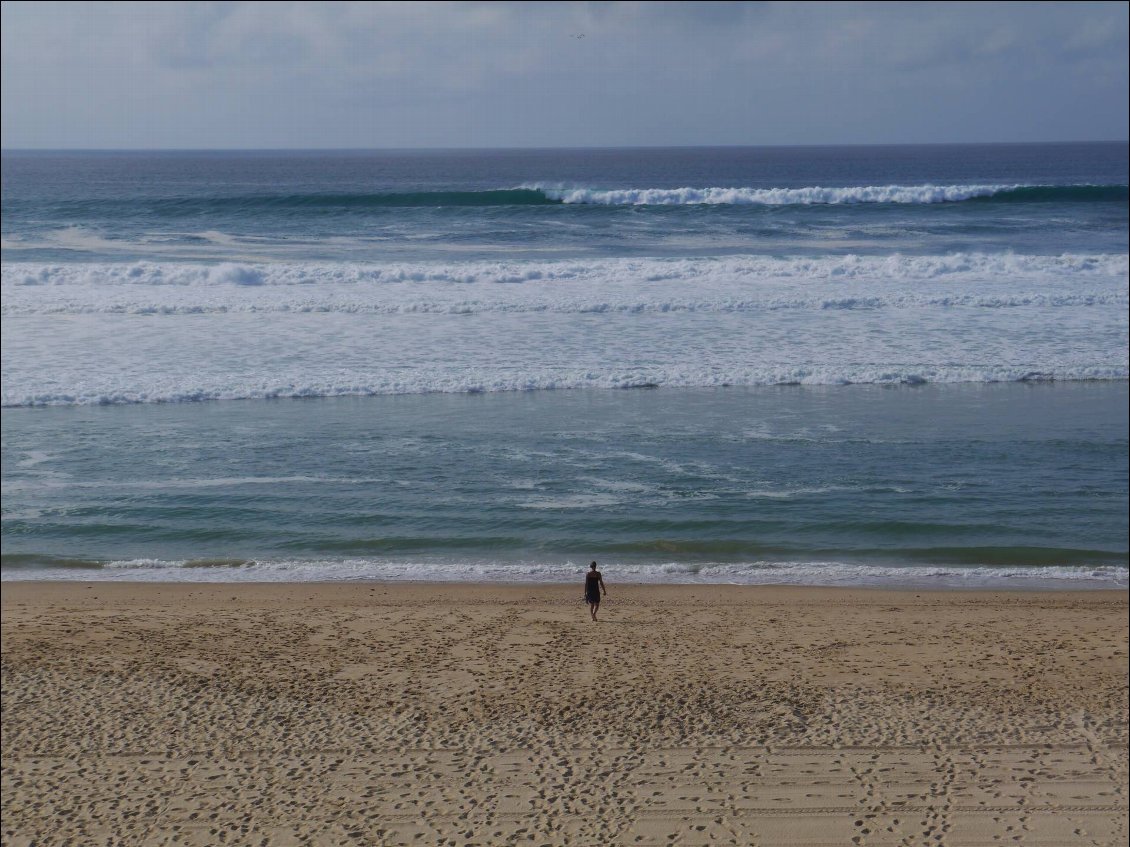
x: 547, y: 194
x: 177, y: 207
x: 819, y: 195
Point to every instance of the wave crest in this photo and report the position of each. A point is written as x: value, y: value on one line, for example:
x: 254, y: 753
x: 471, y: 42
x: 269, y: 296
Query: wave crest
x: 754, y: 268
x: 545, y: 194
x: 820, y: 195
x: 490, y: 381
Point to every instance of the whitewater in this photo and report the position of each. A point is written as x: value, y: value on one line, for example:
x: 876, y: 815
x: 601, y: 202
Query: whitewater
x: 371, y: 329
x: 825, y: 195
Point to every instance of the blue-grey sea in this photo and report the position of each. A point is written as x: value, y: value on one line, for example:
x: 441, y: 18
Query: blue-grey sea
x: 902, y: 366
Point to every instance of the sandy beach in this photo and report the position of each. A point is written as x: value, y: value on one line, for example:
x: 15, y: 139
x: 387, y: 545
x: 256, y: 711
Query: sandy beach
x: 456, y: 714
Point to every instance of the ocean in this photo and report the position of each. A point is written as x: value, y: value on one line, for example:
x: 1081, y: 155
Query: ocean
x: 880, y: 366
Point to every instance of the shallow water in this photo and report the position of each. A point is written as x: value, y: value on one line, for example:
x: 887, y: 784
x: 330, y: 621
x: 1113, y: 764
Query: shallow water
x: 954, y: 484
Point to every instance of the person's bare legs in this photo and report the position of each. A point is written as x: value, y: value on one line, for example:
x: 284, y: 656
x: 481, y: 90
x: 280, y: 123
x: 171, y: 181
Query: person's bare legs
x: 593, y: 607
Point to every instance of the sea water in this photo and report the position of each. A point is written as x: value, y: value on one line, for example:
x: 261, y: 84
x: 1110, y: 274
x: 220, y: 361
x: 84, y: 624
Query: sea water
x: 869, y: 365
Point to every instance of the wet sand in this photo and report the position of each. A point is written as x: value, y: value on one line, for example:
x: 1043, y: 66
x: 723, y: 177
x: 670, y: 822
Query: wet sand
x: 453, y: 714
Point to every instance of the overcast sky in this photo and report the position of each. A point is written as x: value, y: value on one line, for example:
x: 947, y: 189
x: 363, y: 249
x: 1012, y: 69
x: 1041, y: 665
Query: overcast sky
x: 304, y: 75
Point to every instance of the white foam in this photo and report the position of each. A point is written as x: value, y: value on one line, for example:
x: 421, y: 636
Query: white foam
x: 811, y: 195
x: 568, y: 306
x: 173, y: 390
x: 830, y: 573
x: 571, y: 501
x: 608, y: 286
x: 639, y: 269
x: 56, y: 481
x: 155, y: 333
x: 33, y: 458
x: 790, y: 493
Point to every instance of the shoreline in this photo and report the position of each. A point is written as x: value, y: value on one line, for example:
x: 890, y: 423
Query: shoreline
x: 528, y: 586
x: 396, y: 713
x: 1084, y: 586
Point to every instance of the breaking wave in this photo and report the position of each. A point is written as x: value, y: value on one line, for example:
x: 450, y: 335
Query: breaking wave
x: 546, y: 194
x: 507, y: 379
x: 489, y: 326
x: 603, y: 286
x: 820, y: 195
x: 752, y: 268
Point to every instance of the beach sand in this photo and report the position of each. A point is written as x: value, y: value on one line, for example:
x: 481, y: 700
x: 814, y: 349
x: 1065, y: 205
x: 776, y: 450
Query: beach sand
x: 454, y: 714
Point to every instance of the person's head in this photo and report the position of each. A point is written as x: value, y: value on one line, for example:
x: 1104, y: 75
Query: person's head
x: 593, y: 566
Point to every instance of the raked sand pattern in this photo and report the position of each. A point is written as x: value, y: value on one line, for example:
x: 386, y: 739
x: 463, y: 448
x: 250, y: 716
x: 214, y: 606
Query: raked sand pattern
x: 689, y: 715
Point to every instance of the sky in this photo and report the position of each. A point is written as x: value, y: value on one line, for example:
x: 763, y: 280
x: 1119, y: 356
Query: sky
x: 227, y: 75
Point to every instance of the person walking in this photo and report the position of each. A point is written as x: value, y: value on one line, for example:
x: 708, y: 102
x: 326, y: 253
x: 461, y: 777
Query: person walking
x: 594, y: 585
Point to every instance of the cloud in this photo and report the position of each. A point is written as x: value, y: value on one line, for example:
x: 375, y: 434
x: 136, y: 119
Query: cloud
x: 350, y: 74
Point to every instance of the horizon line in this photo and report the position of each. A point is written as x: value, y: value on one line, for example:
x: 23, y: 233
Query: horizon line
x: 4, y: 150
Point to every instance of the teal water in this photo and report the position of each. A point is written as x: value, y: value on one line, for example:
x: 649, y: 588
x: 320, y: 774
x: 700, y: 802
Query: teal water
x: 857, y: 365
x: 965, y: 484
x: 378, y: 206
